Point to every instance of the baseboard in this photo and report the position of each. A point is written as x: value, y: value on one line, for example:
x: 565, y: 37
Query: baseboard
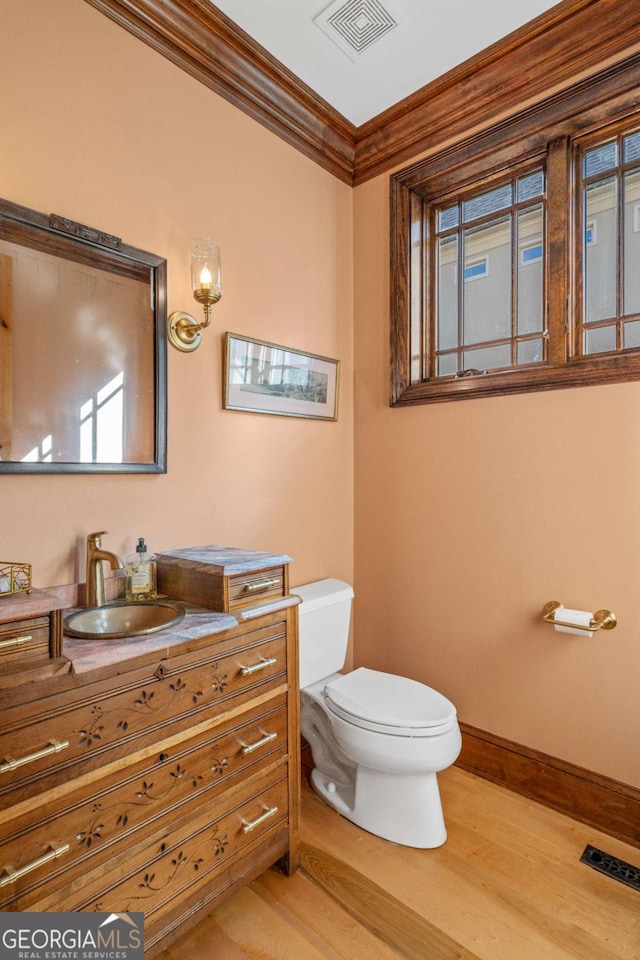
x: 607, y: 805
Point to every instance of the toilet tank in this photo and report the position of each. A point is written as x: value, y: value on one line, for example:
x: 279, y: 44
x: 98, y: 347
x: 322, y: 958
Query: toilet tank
x: 324, y: 617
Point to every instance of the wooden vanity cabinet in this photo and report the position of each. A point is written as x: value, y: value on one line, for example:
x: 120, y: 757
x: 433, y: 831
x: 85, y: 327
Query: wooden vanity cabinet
x: 160, y: 784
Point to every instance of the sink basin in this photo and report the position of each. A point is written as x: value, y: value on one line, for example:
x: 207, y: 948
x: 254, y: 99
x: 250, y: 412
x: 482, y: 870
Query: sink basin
x: 124, y: 618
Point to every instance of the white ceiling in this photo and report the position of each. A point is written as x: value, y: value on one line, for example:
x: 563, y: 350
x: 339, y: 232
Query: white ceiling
x: 405, y: 43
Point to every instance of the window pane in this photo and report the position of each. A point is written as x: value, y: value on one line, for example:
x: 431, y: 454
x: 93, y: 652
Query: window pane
x: 447, y: 293
x: 448, y: 364
x: 602, y: 158
x: 488, y: 358
x: 487, y: 298
x: 631, y: 256
x: 416, y: 317
x: 600, y: 259
x: 600, y: 339
x: 530, y: 187
x: 486, y: 203
x: 631, y: 147
x: 530, y: 273
x: 530, y: 351
x: 448, y: 218
x: 631, y: 332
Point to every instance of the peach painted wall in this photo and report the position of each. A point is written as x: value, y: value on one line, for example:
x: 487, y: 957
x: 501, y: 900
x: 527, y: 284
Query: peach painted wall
x: 471, y: 515
x: 99, y: 128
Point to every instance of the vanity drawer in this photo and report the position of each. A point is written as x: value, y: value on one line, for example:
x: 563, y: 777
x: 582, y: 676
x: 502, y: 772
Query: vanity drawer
x: 72, y: 735
x: 188, y: 854
x: 24, y: 642
x: 250, y: 588
x: 97, y: 821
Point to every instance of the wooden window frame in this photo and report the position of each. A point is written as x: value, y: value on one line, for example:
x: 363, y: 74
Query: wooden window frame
x: 542, y: 133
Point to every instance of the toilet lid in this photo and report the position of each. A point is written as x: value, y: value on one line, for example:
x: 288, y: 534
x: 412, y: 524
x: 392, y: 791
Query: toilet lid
x: 385, y: 700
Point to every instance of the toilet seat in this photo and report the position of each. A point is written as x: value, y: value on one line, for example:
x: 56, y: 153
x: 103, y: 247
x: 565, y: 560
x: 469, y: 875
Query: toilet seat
x: 389, y: 704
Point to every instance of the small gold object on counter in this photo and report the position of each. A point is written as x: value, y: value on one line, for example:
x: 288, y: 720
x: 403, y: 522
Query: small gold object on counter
x: 14, y: 578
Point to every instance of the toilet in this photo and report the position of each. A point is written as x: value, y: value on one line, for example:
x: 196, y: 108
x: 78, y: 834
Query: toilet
x: 377, y: 740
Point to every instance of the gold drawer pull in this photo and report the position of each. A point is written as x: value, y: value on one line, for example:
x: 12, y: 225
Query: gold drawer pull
x: 250, y: 825
x: 261, y: 585
x: 264, y: 662
x: 13, y: 875
x: 250, y: 747
x: 14, y: 641
x: 55, y: 746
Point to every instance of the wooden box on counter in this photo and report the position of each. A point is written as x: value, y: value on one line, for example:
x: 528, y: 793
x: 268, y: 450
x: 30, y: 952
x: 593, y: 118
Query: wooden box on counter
x: 30, y: 637
x: 222, y: 578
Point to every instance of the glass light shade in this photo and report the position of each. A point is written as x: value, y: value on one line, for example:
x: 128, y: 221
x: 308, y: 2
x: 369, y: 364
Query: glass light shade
x: 206, y: 271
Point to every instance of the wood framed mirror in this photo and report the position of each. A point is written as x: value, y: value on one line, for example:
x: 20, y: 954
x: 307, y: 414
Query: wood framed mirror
x: 83, y: 357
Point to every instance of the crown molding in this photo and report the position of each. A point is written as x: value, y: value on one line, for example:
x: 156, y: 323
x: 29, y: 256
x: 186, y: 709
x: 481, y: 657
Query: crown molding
x: 568, y: 44
x: 572, y: 41
x: 202, y: 41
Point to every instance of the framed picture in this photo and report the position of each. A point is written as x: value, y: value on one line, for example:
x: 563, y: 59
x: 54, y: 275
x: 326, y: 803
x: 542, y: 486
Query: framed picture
x: 262, y: 377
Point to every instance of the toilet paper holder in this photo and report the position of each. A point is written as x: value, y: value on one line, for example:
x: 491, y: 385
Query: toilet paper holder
x: 601, y: 620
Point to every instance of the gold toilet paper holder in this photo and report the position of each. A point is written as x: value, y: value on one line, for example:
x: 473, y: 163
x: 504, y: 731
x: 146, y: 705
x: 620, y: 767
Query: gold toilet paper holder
x: 601, y: 620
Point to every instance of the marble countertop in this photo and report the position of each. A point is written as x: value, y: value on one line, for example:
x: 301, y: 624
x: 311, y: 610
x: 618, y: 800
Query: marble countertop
x: 224, y: 560
x: 87, y: 655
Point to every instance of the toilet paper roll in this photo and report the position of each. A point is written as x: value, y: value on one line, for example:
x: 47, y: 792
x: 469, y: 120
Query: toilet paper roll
x: 582, y: 618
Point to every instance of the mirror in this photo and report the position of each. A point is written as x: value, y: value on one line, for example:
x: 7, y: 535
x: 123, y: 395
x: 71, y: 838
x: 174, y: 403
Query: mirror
x: 82, y: 349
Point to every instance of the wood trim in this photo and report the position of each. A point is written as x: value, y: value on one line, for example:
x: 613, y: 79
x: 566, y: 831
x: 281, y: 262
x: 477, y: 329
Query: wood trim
x: 207, y: 45
x: 605, y: 804
x: 570, y: 42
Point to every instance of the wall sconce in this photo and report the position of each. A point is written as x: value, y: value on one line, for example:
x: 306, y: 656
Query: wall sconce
x: 206, y: 282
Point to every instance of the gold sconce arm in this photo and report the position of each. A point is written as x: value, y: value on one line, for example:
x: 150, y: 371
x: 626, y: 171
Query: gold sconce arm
x: 184, y: 331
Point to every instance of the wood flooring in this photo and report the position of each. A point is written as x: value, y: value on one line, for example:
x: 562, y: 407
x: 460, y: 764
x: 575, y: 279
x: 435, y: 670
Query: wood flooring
x: 507, y: 885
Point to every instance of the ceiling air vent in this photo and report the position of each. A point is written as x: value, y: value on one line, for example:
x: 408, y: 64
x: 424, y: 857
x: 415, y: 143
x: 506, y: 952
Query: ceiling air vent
x: 355, y: 25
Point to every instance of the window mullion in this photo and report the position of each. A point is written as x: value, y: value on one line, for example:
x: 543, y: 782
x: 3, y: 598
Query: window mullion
x: 560, y: 252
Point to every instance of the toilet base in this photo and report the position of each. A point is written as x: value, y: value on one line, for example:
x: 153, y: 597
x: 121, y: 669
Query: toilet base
x: 403, y: 809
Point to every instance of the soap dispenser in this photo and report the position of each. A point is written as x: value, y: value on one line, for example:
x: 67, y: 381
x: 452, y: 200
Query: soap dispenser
x: 141, y: 574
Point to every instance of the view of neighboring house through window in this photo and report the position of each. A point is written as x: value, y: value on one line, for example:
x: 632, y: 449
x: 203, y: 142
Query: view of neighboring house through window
x: 489, y: 278
x: 524, y: 274
x: 611, y: 202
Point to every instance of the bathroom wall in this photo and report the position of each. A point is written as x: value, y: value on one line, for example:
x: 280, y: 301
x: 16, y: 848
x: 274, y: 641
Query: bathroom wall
x: 99, y: 128
x: 471, y: 515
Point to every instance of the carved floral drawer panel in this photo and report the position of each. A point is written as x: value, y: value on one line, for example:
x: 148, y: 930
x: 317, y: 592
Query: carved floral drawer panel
x: 96, y: 820
x: 192, y: 852
x: 106, y: 723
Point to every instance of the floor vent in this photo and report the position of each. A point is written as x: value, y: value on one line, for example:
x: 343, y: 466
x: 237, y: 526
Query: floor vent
x: 612, y: 866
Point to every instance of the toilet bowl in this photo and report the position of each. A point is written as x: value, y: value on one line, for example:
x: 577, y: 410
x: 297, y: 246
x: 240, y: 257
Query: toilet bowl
x: 378, y: 740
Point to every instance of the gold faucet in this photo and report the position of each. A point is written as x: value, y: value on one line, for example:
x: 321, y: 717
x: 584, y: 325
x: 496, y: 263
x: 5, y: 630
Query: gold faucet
x: 95, y: 574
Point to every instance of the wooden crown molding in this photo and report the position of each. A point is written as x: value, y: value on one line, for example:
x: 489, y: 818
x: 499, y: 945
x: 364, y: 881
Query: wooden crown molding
x: 573, y: 41
x: 570, y: 42
x: 203, y: 42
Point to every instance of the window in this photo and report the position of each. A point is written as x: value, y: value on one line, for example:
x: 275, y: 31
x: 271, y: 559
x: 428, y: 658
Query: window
x: 609, y: 177
x: 498, y: 323
x: 518, y: 268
